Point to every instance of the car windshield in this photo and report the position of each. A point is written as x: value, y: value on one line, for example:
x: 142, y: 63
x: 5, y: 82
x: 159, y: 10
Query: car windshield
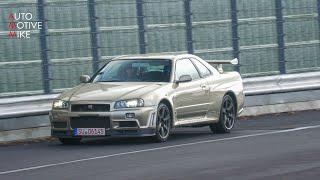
x: 135, y: 71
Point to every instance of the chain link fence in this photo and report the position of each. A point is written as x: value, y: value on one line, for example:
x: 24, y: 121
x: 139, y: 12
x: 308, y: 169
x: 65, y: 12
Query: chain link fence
x: 268, y: 37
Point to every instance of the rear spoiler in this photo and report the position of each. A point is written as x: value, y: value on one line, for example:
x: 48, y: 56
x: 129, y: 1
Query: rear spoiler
x: 218, y: 63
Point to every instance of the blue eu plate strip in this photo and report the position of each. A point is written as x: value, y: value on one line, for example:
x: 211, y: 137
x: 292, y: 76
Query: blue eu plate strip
x: 75, y: 131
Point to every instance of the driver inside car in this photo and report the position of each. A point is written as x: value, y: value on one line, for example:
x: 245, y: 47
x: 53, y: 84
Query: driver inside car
x: 129, y: 73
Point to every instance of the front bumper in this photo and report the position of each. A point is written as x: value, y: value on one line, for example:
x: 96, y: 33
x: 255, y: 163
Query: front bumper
x: 109, y: 133
x: 118, y: 125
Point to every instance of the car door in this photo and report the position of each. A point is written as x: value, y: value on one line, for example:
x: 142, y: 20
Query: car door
x: 190, y: 97
x: 205, y: 74
x: 214, y: 93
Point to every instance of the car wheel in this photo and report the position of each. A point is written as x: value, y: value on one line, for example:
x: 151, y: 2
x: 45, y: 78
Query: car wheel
x: 227, y: 116
x: 70, y: 141
x: 163, y: 123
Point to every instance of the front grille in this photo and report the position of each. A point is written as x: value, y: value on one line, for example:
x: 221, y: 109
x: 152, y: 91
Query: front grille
x: 90, y: 122
x: 59, y: 124
x: 90, y: 107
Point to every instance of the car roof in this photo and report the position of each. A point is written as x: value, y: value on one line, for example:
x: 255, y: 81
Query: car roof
x: 153, y: 56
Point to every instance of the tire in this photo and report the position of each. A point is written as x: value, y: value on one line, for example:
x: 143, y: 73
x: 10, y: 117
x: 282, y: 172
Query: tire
x: 163, y: 124
x: 227, y: 117
x: 70, y: 141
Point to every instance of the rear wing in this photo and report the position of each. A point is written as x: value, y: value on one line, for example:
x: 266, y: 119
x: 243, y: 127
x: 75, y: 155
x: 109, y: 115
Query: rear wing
x: 218, y: 63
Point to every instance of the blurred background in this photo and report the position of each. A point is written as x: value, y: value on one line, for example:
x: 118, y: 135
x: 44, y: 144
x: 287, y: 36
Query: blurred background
x: 268, y: 36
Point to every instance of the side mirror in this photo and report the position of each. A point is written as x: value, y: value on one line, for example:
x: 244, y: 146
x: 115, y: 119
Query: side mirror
x: 84, y: 78
x: 184, y: 78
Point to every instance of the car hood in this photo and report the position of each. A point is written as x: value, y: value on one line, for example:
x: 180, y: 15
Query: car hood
x: 109, y: 91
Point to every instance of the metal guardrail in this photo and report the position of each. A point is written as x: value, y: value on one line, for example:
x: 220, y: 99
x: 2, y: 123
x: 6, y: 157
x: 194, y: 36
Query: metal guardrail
x: 41, y: 104
x: 282, y: 83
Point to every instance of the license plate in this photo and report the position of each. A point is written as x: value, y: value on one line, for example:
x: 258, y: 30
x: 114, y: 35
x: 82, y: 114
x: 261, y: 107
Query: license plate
x: 89, y: 132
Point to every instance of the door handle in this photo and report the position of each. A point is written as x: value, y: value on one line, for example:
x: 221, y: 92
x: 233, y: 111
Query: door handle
x: 203, y: 86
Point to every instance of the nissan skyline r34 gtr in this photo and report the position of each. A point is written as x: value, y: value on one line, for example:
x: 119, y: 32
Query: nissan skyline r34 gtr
x: 149, y: 95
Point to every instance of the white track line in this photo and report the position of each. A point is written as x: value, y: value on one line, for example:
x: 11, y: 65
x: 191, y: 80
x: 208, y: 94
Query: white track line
x: 154, y: 149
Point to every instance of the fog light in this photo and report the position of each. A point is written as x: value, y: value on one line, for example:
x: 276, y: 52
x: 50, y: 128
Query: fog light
x: 130, y: 115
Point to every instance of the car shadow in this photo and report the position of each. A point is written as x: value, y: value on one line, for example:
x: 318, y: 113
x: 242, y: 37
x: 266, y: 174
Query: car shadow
x: 178, y: 135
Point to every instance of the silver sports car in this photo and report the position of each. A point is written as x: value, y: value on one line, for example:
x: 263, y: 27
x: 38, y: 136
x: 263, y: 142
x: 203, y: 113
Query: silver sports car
x: 148, y: 95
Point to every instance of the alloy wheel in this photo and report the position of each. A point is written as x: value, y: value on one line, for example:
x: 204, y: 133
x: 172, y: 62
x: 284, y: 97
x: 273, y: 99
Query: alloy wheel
x: 228, y: 113
x: 163, y: 123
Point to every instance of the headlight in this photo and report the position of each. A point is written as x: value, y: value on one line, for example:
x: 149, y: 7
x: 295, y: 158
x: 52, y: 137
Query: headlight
x: 132, y: 103
x: 60, y: 104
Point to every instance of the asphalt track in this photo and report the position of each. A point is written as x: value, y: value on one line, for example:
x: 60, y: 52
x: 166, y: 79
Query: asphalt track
x: 284, y: 146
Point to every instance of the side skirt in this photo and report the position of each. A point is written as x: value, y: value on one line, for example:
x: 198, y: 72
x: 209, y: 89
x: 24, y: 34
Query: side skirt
x: 197, y: 122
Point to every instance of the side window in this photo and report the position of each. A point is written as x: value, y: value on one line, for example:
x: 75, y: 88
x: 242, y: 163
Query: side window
x: 204, y: 71
x: 185, y: 67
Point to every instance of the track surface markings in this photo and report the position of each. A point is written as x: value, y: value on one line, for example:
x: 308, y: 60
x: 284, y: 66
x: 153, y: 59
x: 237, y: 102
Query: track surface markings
x: 155, y: 149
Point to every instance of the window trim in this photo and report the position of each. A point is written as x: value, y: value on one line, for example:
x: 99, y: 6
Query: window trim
x: 175, y: 69
x: 192, y: 60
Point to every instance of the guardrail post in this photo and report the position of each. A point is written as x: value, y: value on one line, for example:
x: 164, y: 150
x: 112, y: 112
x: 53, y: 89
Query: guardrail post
x: 141, y: 27
x: 235, y: 35
x: 188, y: 21
x: 94, y: 34
x: 318, y: 9
x: 45, y: 61
x: 280, y: 36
